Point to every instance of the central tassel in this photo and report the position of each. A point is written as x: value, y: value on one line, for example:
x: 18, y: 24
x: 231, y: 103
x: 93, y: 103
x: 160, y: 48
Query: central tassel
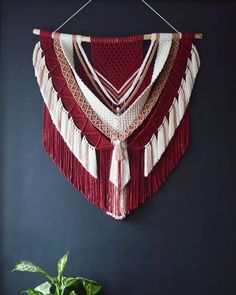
x: 119, y: 177
x: 119, y: 151
x: 119, y: 170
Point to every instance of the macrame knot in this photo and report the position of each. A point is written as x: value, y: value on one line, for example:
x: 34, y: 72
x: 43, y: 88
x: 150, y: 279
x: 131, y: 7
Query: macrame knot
x: 119, y: 150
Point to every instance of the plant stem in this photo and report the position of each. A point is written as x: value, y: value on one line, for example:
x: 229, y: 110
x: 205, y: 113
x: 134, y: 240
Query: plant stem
x: 62, y: 291
x: 58, y: 290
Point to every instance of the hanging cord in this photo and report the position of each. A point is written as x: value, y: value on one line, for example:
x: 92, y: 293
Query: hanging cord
x: 149, y: 6
x: 66, y: 21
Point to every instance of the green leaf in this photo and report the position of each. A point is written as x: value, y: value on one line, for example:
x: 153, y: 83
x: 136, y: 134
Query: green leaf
x: 61, y: 265
x: 30, y: 267
x: 26, y: 266
x: 72, y: 293
x: 33, y: 292
x: 44, y: 288
x: 67, y: 282
x: 91, y: 287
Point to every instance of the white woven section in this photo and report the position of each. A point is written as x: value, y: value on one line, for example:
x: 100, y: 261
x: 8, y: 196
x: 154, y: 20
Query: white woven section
x: 116, y: 122
x: 154, y: 149
x: 162, y: 54
x: 83, y: 151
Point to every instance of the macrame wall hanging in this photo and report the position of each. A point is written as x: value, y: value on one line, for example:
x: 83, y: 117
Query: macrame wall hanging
x: 116, y: 122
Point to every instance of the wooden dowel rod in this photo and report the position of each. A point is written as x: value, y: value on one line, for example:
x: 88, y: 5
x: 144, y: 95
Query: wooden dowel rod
x: 146, y: 36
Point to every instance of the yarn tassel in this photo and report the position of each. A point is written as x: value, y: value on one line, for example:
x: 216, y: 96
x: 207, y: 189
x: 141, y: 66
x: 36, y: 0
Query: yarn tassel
x: 92, y: 163
x: 57, y: 115
x: 77, y: 144
x: 154, y: 150
x: 181, y: 103
x: 70, y: 134
x: 64, y: 123
x: 119, y: 177
x: 172, y: 121
x: 177, y: 116
x: 150, y: 155
x: 148, y: 159
x: 197, y: 55
x: 117, y: 155
x: 189, y: 83
x: 84, y: 153
x: 37, y: 56
x: 35, y: 53
x: 161, y: 145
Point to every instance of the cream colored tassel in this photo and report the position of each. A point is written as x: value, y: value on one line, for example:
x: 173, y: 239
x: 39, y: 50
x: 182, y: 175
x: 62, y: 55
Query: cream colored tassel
x: 44, y: 81
x: 124, y: 164
x: 189, y: 84
x: 57, y: 114
x: 119, y: 177
x: 172, y: 122
x: 64, y: 123
x: 181, y: 103
x: 52, y: 101
x: 92, y: 162
x: 197, y: 55
x: 154, y: 150
x: 35, y: 53
x: 37, y: 62
x: 147, y: 159
x: 40, y: 71
x: 47, y: 92
x: 77, y: 144
x: 119, y: 151
x: 185, y: 90
x: 150, y: 155
x: 177, y: 117
x: 160, y: 141
x: 166, y: 131
x: 53, y: 105
x: 84, y: 153
x: 69, y: 133
x: 193, y: 65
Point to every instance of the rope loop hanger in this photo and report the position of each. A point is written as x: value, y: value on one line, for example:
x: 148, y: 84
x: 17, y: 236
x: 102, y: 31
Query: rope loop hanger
x: 147, y: 36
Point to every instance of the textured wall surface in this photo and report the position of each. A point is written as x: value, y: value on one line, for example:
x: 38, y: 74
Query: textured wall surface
x: 182, y: 240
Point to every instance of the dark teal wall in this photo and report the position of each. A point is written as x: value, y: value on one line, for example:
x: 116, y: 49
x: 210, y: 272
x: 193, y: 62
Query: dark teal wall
x: 181, y: 242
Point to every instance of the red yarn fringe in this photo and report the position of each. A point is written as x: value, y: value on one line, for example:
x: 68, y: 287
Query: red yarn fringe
x: 100, y: 191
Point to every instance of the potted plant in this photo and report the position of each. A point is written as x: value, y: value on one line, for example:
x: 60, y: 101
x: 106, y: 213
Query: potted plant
x: 59, y: 285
